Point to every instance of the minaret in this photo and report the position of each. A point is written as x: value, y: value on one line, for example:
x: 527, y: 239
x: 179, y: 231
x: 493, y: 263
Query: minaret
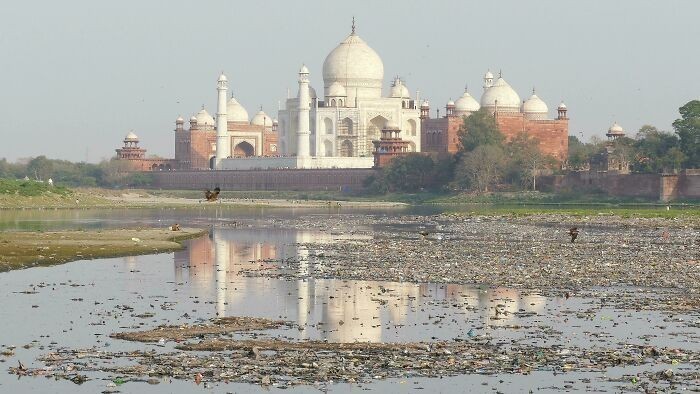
x: 303, y: 131
x: 222, y: 141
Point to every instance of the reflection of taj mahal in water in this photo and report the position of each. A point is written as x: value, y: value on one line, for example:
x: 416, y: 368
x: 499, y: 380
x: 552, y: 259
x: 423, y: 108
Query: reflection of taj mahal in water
x: 341, y: 311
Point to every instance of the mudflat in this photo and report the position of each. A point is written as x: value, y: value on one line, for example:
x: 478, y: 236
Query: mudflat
x: 22, y: 249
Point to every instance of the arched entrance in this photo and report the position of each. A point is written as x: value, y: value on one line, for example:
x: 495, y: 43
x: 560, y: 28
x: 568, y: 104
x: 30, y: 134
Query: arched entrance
x: 328, y: 148
x: 243, y: 149
x: 328, y: 125
x: 410, y: 128
x: 212, y: 162
x: 375, y: 127
x: 347, y: 127
x: 346, y: 149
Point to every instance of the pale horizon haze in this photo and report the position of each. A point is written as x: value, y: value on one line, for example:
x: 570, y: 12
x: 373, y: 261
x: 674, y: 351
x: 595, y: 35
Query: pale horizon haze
x: 79, y: 75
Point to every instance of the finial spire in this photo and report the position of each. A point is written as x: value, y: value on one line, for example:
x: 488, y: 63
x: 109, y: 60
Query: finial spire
x: 533, y: 90
x: 466, y: 88
x: 353, y: 26
x: 500, y: 73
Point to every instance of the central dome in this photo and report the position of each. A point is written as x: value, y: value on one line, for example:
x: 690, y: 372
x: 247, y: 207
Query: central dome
x: 357, y: 67
x: 235, y: 112
x: 503, y: 95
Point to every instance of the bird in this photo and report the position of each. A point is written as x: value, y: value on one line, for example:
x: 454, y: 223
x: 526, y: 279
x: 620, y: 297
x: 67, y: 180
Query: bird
x: 212, y: 196
x: 573, y: 232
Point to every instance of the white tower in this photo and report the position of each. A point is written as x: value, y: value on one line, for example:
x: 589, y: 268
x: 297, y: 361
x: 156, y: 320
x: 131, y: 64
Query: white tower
x: 303, y: 131
x: 222, y: 141
x: 488, y: 79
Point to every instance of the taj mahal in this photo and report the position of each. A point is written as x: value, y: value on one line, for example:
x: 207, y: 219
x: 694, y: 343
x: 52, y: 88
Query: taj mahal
x: 336, y: 130
x: 343, y: 127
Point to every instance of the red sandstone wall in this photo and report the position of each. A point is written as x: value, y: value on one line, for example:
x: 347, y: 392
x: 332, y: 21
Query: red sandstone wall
x: 686, y: 185
x: 270, y: 139
x: 349, y: 179
x: 553, y: 135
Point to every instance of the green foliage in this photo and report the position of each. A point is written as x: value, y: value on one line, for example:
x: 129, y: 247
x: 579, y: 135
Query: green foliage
x: 656, y: 151
x: 40, y: 168
x: 481, y: 168
x: 30, y: 188
x: 525, y: 161
x: 688, y: 130
x: 110, y: 173
x: 409, y: 173
x: 479, y: 129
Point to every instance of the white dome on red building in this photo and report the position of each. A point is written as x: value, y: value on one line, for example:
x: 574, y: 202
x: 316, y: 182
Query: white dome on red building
x: 501, y: 95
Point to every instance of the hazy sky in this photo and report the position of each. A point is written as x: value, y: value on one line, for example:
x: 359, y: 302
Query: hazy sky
x: 76, y: 76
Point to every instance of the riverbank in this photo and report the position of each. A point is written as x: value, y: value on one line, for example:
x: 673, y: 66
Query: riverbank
x: 83, y: 198
x: 23, y: 249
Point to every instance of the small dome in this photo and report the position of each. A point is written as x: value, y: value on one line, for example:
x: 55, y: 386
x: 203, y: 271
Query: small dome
x: 304, y: 69
x: 261, y: 119
x: 336, y: 90
x: 391, y: 125
x: 503, y: 95
x: 222, y: 78
x: 131, y: 137
x: 466, y: 103
x: 561, y: 106
x: 399, y: 89
x: 193, y: 119
x: 488, y: 75
x: 425, y: 104
x: 235, y: 112
x: 274, y: 121
x: 179, y: 120
x: 450, y: 103
x: 535, y: 105
x: 203, y: 118
x: 616, y: 129
x: 312, y: 92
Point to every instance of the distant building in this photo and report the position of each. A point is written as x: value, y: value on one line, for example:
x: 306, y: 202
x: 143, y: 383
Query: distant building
x: 513, y: 117
x: 610, y: 160
x: 390, y: 145
x: 195, y: 147
x: 135, y: 157
x: 352, y: 111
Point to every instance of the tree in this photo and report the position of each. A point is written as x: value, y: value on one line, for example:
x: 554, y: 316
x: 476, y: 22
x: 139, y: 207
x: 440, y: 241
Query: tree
x: 525, y: 160
x: 656, y: 151
x: 688, y: 130
x: 479, y: 129
x: 481, y: 168
x: 409, y: 173
x: 40, y: 168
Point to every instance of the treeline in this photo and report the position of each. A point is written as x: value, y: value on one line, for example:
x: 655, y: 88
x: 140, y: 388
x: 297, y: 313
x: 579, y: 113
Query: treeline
x: 651, y: 150
x: 486, y: 162
x: 66, y: 173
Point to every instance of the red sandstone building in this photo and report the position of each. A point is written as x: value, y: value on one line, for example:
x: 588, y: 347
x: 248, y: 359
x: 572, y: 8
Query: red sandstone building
x: 390, y: 145
x: 195, y: 148
x: 513, y: 117
x: 134, y: 157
